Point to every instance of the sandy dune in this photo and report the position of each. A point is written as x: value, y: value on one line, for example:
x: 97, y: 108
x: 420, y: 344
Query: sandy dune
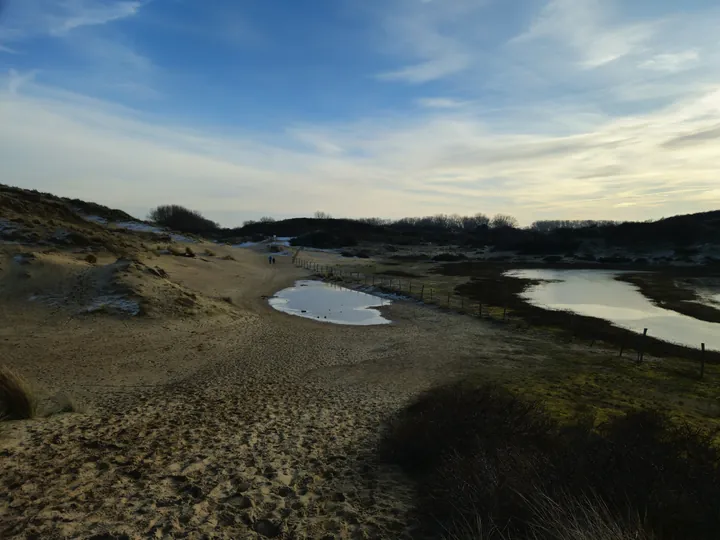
x: 238, y: 422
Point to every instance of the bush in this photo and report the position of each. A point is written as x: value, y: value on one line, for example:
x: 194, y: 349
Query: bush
x: 182, y: 219
x: 17, y: 400
x: 484, y: 455
x: 553, y: 258
x: 615, y: 260
x: 449, y: 257
x: 189, y: 252
x: 323, y: 240
x: 92, y: 259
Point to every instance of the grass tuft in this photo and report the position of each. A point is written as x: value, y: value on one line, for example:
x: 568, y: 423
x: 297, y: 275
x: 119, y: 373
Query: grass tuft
x: 17, y: 398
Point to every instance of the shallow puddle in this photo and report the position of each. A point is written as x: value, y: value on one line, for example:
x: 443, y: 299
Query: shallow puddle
x: 329, y: 303
x: 596, y: 293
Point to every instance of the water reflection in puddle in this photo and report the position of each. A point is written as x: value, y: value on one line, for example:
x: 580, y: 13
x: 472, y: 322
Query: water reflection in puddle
x: 329, y: 303
x: 595, y: 293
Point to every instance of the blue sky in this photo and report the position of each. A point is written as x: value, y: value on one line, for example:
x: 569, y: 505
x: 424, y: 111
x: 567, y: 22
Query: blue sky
x: 243, y: 108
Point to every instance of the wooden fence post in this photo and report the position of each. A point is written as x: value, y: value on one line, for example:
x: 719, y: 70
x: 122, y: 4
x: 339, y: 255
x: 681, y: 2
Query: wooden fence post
x: 431, y: 294
x: 409, y: 287
x: 480, y: 310
x: 422, y: 292
x: 448, y: 300
x: 641, y: 352
x: 702, y: 360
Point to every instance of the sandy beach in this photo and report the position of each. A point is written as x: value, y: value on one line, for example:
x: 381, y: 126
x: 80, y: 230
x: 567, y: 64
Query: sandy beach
x: 243, y: 423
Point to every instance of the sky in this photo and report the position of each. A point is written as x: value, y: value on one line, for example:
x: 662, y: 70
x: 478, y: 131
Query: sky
x: 542, y: 109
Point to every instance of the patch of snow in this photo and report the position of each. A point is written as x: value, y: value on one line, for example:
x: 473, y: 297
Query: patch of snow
x: 115, y: 303
x: 181, y: 238
x: 23, y: 258
x: 60, y: 234
x: 95, y: 219
x: 6, y: 226
x: 138, y: 227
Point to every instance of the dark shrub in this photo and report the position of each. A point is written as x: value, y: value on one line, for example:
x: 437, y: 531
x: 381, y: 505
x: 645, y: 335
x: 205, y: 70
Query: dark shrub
x: 182, y: 219
x: 323, y: 240
x: 553, y: 258
x: 615, y: 260
x: 586, y: 257
x: 483, y: 455
x: 449, y: 257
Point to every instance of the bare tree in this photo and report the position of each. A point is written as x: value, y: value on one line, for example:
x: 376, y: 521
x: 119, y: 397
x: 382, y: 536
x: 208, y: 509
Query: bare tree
x: 502, y: 221
x: 322, y: 215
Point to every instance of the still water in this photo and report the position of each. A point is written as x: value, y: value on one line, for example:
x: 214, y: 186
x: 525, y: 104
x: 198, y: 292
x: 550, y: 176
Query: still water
x: 329, y: 303
x: 595, y: 293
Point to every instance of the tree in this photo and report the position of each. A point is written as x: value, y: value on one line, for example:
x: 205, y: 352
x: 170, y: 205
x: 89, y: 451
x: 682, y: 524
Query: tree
x: 322, y: 215
x: 503, y: 221
x: 182, y: 219
x: 267, y: 219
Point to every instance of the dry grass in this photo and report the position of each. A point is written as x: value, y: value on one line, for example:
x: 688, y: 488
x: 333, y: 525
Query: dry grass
x: 17, y: 398
x: 209, y: 253
x: 570, y: 518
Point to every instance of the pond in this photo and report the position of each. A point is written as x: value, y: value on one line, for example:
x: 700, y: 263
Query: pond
x: 596, y: 293
x: 330, y: 303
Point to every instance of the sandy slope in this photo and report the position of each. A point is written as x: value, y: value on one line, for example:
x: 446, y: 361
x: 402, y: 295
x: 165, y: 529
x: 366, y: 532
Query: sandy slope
x: 242, y: 424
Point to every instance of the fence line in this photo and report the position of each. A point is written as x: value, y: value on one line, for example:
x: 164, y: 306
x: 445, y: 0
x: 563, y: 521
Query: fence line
x: 464, y: 305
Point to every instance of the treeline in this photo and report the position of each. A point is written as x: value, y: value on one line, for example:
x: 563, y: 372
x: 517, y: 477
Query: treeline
x: 501, y: 231
x: 553, y: 224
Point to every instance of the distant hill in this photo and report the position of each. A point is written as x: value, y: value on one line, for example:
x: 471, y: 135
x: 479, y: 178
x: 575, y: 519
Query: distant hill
x: 32, y: 217
x: 679, y: 236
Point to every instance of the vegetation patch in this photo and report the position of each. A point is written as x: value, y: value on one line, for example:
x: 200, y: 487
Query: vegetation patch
x: 17, y: 398
x: 667, y: 290
x: 492, y: 465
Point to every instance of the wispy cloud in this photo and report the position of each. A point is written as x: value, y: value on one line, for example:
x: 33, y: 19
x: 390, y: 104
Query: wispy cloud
x: 16, y: 80
x: 30, y: 18
x: 102, y: 60
x: 589, y: 29
x: 672, y: 62
x: 440, y: 103
x: 622, y: 168
x: 425, y: 33
x: 78, y: 13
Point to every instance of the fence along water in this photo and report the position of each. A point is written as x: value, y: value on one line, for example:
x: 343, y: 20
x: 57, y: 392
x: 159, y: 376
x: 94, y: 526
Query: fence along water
x: 428, y: 295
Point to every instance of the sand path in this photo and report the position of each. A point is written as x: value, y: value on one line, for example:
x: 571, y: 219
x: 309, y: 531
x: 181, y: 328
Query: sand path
x: 253, y: 425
